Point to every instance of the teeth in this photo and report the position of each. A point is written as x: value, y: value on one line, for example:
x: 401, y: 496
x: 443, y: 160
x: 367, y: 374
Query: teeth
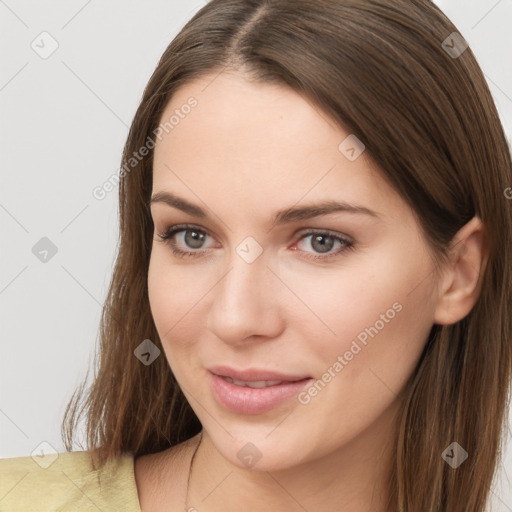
x: 253, y: 384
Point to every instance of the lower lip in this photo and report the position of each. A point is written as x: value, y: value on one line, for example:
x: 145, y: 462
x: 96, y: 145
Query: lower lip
x: 246, y: 400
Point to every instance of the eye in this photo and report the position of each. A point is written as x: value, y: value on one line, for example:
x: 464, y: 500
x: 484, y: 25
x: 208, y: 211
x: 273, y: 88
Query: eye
x: 323, y: 241
x: 192, y: 237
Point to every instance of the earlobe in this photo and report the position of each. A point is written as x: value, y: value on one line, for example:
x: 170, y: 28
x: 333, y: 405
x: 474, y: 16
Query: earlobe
x: 462, y: 279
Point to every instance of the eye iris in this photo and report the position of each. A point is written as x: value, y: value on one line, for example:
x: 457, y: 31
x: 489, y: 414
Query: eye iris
x: 196, y: 238
x: 322, y: 247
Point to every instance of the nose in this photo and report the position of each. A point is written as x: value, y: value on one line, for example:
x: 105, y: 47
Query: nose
x: 246, y: 302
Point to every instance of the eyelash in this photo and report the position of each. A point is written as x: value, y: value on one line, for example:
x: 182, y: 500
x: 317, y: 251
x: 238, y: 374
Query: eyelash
x: 166, y: 237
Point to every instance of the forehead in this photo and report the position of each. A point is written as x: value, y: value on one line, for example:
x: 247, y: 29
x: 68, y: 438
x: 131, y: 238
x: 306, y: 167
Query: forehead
x: 251, y: 145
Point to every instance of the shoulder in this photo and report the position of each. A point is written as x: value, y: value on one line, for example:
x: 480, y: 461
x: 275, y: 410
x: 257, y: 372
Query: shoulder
x: 67, y: 481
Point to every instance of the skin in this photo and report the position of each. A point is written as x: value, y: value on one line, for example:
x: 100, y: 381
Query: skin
x: 244, y: 152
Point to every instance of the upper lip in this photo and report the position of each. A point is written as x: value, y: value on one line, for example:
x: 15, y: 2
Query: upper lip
x: 254, y: 374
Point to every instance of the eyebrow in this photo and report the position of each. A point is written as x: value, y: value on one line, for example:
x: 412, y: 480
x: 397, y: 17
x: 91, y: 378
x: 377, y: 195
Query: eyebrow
x: 292, y: 214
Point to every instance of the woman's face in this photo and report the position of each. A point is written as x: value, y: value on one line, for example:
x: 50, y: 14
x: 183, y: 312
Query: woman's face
x: 346, y: 298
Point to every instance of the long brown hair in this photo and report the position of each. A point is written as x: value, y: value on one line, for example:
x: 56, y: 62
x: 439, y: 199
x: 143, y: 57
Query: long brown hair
x: 384, y: 71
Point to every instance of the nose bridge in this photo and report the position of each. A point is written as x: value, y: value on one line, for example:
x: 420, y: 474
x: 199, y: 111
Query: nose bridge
x: 247, y: 277
x: 243, y: 299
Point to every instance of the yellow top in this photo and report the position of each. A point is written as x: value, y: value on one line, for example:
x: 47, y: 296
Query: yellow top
x: 67, y: 482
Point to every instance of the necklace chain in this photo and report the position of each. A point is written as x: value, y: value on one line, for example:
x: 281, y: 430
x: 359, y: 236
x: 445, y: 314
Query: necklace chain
x: 190, y: 472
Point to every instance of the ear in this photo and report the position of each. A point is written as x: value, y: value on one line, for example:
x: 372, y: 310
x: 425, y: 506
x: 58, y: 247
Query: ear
x: 461, y: 279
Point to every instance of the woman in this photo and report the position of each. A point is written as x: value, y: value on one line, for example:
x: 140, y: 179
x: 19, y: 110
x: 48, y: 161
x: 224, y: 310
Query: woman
x: 311, y: 301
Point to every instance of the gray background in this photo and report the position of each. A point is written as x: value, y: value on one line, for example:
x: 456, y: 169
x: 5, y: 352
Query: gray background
x: 64, y: 121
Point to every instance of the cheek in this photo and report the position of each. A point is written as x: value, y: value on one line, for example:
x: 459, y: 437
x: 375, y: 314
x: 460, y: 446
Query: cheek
x: 381, y: 313
x: 381, y: 319
x: 178, y: 298
x: 169, y: 295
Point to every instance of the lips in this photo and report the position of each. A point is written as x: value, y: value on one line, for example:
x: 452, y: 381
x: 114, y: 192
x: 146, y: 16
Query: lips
x: 253, y: 391
x: 255, y: 375
x: 250, y: 399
